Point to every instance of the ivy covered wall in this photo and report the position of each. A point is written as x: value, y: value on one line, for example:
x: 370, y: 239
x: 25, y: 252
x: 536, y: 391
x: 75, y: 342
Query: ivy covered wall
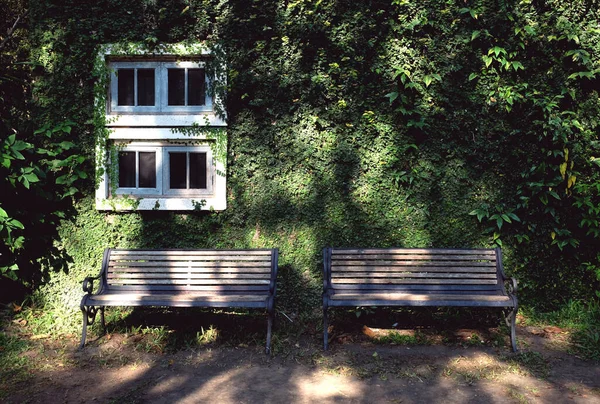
x: 367, y: 124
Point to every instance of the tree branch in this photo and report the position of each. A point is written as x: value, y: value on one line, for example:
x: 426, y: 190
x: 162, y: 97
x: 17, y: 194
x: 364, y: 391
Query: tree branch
x: 11, y: 30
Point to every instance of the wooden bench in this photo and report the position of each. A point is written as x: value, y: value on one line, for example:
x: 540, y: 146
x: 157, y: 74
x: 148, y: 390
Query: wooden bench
x: 418, y: 277
x: 183, y: 278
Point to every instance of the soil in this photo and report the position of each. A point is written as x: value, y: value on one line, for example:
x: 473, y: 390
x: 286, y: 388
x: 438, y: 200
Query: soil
x: 462, y: 366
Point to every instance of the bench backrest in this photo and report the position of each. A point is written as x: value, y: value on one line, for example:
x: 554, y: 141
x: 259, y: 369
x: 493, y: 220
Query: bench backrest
x: 189, y: 271
x: 414, y: 270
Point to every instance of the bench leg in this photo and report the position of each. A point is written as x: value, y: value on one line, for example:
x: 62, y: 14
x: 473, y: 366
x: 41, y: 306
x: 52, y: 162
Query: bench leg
x: 102, y: 322
x: 325, y: 329
x: 84, y: 330
x: 511, y: 322
x: 269, y: 327
x: 89, y: 316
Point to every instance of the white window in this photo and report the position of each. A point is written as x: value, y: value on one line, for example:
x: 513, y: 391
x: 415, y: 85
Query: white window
x: 164, y: 119
x: 159, y: 87
x: 164, y: 171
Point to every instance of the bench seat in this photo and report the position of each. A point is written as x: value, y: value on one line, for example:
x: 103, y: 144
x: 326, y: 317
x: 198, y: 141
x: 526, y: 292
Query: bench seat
x: 404, y: 277
x: 183, y: 278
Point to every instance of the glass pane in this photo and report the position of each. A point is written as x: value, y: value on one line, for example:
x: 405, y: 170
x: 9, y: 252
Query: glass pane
x: 198, y: 170
x: 147, y: 169
x: 196, y: 87
x: 145, y: 86
x: 125, y: 87
x: 177, y: 170
x: 126, y: 169
x: 176, y: 79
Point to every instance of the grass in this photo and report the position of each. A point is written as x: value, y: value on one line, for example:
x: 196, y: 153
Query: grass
x: 581, y: 320
x: 529, y: 363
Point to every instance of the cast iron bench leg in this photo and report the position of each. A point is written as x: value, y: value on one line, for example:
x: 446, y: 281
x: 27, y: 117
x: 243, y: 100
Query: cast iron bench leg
x: 325, y: 330
x: 269, y: 327
x: 84, y: 330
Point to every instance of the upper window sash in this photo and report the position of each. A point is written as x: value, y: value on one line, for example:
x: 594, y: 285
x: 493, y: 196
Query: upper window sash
x: 114, y: 87
x: 209, y: 170
x: 161, y: 88
x: 137, y: 189
x: 185, y: 67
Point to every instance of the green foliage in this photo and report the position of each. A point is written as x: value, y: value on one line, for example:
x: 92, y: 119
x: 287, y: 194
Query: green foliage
x: 581, y: 320
x: 403, y: 123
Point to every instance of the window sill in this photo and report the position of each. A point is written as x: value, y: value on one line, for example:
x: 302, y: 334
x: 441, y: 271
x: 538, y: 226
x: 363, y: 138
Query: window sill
x: 162, y: 204
x: 167, y: 120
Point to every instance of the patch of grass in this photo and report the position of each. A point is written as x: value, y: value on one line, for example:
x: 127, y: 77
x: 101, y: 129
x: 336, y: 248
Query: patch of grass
x: 204, y: 337
x: 517, y: 396
x: 397, y: 338
x: 581, y: 319
x: 14, y: 367
x: 529, y: 362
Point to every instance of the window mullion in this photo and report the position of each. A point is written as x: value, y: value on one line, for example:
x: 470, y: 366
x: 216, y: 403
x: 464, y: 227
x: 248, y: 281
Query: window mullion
x: 187, y: 170
x: 135, y: 87
x: 137, y: 170
x: 185, y: 87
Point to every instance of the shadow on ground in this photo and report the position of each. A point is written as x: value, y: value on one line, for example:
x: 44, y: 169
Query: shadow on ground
x: 229, y: 365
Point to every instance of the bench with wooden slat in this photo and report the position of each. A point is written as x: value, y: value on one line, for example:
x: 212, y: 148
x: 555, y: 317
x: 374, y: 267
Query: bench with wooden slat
x: 183, y: 278
x: 417, y: 277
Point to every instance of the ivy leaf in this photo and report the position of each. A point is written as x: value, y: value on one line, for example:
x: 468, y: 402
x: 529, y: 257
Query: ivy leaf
x: 392, y: 96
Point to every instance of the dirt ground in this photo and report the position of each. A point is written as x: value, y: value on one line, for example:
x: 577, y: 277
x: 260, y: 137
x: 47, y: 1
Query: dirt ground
x: 465, y: 368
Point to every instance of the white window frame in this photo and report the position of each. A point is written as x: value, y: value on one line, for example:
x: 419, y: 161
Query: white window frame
x: 137, y: 190
x: 161, y: 95
x: 210, y: 172
x: 162, y: 172
x: 165, y: 107
x: 114, y: 88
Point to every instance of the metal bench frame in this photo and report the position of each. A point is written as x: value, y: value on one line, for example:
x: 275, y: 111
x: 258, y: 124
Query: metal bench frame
x: 182, y: 278
x: 403, y: 277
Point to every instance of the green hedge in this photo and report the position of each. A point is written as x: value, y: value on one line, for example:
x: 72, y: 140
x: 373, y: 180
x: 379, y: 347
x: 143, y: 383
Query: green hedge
x: 366, y: 123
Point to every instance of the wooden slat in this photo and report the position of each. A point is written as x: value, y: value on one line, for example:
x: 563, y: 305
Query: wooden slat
x: 418, y: 281
x: 339, y: 251
x: 374, y: 275
x: 199, y: 265
x: 480, y: 269
x: 224, y: 289
x: 177, y: 297
x: 405, y: 257
x: 172, y: 253
x: 392, y: 262
x: 426, y: 288
x: 122, y: 276
x: 188, y: 258
x: 416, y: 297
x: 263, y: 270
x: 198, y: 282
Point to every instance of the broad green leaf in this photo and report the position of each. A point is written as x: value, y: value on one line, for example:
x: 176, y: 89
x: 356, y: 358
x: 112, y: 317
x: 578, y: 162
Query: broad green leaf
x: 472, y: 76
x: 392, y: 96
x: 16, y: 224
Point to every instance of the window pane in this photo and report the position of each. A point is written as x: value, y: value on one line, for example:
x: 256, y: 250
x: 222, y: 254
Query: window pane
x: 196, y: 87
x: 145, y: 86
x: 147, y: 169
x: 127, y: 169
x: 177, y: 170
x: 176, y: 87
x: 125, y: 87
x: 198, y: 170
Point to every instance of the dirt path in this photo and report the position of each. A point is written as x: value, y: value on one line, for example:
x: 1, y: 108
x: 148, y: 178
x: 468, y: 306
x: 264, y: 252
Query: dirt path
x: 358, y: 372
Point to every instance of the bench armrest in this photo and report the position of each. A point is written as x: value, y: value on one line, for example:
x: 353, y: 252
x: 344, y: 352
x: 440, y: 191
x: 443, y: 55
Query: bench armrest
x: 88, y: 284
x: 511, y: 286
